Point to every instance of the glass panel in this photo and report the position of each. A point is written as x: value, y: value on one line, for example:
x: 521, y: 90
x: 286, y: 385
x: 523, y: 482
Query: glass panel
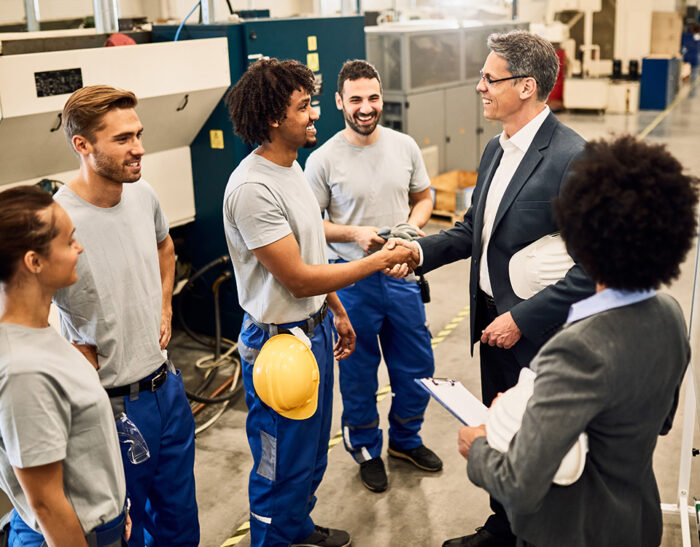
x: 434, y: 59
x: 475, y: 51
x: 384, y: 52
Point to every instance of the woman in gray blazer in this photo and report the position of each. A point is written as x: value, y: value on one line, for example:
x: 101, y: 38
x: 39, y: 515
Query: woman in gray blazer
x: 628, y: 213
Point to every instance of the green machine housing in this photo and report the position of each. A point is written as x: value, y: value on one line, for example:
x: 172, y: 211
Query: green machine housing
x: 323, y: 44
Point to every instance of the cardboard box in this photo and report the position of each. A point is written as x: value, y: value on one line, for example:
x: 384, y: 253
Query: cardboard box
x: 666, y: 32
x: 452, y: 190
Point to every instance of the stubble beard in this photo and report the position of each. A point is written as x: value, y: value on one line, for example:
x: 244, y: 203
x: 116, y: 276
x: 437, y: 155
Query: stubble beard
x: 111, y: 169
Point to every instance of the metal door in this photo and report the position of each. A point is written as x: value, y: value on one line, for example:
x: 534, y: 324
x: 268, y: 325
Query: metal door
x: 461, y: 125
x: 425, y: 120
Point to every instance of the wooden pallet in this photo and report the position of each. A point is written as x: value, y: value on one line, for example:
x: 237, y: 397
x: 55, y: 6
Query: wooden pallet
x: 447, y: 217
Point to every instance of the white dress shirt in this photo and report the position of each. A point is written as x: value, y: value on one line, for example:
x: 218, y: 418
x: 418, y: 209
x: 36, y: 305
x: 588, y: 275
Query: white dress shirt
x: 513, y: 152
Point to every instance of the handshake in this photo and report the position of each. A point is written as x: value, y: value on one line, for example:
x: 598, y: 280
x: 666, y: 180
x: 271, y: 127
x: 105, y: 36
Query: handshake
x: 400, y: 257
x: 393, y: 247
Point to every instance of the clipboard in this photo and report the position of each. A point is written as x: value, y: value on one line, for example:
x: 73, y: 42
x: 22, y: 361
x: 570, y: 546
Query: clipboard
x: 456, y: 399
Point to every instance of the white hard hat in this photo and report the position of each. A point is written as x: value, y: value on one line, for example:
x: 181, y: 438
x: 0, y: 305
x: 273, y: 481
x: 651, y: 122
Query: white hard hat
x: 506, y: 415
x: 538, y: 265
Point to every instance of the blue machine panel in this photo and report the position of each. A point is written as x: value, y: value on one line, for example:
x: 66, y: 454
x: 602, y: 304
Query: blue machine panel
x: 659, y: 83
x: 336, y: 39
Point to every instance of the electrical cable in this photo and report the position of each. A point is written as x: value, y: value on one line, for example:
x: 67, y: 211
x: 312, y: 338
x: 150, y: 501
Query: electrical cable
x: 205, y: 341
x: 179, y: 29
x: 211, y: 363
x: 235, y: 389
x: 50, y: 185
x: 226, y: 358
x: 217, y: 312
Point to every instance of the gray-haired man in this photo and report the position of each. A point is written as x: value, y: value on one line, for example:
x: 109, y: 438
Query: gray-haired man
x: 521, y: 170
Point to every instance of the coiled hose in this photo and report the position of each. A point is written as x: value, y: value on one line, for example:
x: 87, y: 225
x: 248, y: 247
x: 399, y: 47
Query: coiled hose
x: 212, y: 362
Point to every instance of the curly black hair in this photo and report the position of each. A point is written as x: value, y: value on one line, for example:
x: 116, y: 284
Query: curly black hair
x: 263, y: 94
x: 628, y: 213
x: 355, y: 70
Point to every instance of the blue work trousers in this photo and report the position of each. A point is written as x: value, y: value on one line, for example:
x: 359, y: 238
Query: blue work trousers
x: 387, y: 311
x: 21, y: 535
x: 289, y: 456
x: 162, y: 489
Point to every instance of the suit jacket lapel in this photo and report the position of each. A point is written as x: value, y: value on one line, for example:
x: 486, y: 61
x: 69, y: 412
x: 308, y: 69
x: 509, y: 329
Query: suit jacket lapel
x: 532, y: 158
x: 481, y: 204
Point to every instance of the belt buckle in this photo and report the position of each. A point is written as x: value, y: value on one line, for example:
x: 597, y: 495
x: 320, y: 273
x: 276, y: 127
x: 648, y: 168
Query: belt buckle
x: 156, y: 380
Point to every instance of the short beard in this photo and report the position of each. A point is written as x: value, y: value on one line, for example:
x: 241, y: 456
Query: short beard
x: 311, y: 143
x: 367, y: 130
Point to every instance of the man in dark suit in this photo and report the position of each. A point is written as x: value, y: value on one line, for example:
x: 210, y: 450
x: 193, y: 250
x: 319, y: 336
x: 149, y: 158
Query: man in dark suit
x: 520, y: 172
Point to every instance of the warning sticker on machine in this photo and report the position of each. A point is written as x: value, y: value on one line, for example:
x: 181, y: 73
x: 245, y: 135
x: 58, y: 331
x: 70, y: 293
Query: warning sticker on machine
x: 216, y: 138
x: 312, y: 61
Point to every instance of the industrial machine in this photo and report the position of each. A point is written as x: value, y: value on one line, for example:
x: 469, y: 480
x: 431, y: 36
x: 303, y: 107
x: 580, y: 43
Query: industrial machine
x: 429, y: 71
x: 178, y: 85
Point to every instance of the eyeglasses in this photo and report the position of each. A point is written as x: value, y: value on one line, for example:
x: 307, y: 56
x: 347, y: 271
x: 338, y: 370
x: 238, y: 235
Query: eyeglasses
x: 490, y: 82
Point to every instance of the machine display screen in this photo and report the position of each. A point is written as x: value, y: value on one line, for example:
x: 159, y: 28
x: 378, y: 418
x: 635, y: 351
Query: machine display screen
x: 58, y: 82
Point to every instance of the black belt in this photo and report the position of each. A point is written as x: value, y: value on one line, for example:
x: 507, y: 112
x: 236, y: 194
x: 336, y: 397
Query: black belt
x: 151, y: 383
x: 491, y: 310
x: 308, y: 326
x: 490, y: 302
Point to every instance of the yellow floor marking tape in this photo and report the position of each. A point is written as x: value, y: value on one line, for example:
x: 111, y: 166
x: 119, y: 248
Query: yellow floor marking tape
x: 238, y: 536
x: 681, y: 96
x: 244, y: 528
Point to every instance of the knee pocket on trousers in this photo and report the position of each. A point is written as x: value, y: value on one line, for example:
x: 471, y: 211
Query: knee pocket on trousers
x: 268, y: 456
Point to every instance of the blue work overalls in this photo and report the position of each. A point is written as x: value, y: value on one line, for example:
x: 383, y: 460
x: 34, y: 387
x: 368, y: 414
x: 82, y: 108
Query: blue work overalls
x: 389, y: 311
x: 289, y: 456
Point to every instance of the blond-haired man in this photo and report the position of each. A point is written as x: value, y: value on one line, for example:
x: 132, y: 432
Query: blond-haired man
x: 118, y: 313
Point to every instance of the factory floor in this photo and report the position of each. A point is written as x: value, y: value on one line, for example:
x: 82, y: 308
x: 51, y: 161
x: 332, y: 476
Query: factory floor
x: 420, y: 508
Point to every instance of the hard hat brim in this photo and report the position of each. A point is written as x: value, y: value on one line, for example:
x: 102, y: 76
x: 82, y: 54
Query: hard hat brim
x: 304, y: 412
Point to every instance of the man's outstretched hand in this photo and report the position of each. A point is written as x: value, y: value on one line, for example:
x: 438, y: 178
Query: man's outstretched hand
x: 402, y: 269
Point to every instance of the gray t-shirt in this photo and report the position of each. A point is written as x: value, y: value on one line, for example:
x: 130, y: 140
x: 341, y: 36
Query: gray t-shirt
x: 116, y: 303
x: 263, y: 203
x: 366, y: 185
x: 53, y: 408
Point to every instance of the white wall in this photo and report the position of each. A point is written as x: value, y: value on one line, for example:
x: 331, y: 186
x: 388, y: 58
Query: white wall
x: 12, y: 11
x: 664, y: 5
x: 633, y: 29
x: 532, y: 11
x: 278, y: 8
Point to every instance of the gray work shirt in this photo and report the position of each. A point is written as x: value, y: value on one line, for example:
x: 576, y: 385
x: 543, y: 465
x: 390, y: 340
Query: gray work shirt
x: 53, y: 408
x: 263, y: 203
x: 366, y: 185
x: 116, y: 303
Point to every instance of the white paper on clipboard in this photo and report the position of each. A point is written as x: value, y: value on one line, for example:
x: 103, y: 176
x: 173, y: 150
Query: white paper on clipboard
x: 457, y: 399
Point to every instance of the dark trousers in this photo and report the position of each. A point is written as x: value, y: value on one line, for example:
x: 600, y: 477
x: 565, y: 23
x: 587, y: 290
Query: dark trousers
x: 499, y: 372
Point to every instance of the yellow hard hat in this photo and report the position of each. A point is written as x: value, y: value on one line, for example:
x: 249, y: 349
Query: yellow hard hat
x: 286, y: 377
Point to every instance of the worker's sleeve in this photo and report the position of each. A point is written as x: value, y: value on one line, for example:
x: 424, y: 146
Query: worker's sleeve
x: 259, y: 218
x: 35, y: 419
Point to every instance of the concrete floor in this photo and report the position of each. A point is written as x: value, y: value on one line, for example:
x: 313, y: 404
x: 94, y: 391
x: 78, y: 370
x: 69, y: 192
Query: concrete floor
x: 421, y: 508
